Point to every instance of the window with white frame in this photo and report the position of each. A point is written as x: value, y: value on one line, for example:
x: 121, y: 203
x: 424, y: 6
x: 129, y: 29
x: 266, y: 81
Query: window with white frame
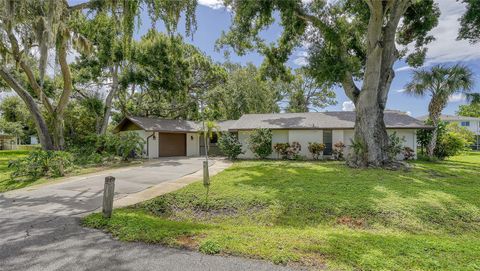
x: 465, y: 123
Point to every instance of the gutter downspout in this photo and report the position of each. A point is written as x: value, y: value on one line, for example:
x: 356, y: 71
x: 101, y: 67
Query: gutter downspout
x: 148, y: 137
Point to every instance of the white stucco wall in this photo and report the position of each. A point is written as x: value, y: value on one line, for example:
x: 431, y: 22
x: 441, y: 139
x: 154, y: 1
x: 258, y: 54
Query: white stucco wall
x: 243, y: 139
x: 278, y: 136
x: 152, y: 145
x: 338, y: 135
x: 410, y: 136
x: 193, y: 144
x: 304, y: 137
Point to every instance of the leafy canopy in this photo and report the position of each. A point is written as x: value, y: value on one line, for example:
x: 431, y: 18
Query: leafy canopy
x: 334, y: 34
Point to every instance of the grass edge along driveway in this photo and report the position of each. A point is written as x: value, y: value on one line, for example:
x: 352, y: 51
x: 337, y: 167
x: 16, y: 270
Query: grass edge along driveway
x: 321, y: 215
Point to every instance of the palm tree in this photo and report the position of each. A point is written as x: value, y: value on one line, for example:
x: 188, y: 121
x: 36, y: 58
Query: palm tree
x: 440, y: 83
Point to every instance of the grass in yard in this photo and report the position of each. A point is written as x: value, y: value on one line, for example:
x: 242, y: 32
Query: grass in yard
x: 6, y: 183
x: 322, y: 214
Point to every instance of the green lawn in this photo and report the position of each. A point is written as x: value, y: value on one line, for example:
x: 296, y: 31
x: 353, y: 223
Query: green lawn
x: 321, y: 214
x: 5, y: 182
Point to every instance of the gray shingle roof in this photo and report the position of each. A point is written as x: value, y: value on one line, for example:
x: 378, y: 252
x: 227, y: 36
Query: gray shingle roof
x: 163, y: 125
x: 450, y: 118
x: 320, y: 120
x: 168, y: 125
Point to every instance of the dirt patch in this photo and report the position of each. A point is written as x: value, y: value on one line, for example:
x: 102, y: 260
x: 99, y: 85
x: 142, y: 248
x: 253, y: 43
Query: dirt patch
x: 354, y: 223
x: 187, y: 242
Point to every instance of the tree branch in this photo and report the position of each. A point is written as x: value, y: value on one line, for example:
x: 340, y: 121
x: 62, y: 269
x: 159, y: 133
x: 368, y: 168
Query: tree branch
x: 82, y: 6
x: 67, y: 77
x: 351, y: 90
x: 17, y: 55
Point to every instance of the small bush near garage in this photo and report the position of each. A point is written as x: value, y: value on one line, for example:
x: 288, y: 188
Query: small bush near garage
x: 130, y: 145
x: 230, y: 146
x: 260, y: 142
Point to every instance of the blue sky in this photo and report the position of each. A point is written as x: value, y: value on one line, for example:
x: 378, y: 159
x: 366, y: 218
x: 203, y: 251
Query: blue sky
x: 212, y: 19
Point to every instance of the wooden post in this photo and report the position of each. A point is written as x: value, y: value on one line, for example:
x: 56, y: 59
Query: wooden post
x: 206, y: 177
x: 108, y: 193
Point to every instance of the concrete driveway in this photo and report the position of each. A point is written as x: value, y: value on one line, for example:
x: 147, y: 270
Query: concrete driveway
x: 82, y: 194
x: 40, y: 230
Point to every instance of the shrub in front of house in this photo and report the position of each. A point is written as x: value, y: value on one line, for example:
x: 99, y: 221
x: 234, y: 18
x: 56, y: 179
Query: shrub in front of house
x: 338, y: 150
x: 260, y: 142
x: 408, y: 153
x: 316, y: 149
x: 230, y: 146
x: 281, y: 149
x: 449, y: 144
x: 395, y: 145
x: 129, y: 145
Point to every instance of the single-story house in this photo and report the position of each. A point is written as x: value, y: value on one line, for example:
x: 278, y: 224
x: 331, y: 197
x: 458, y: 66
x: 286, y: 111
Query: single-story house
x: 8, y: 142
x: 183, y: 138
x: 470, y: 123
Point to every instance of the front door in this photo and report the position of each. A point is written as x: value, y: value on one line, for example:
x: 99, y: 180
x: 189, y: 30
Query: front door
x: 171, y: 144
x: 327, y: 140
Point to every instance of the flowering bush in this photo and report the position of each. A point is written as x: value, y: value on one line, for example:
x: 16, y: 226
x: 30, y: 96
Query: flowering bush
x: 338, y: 149
x: 293, y: 150
x: 281, y: 149
x: 408, y: 153
x: 316, y: 149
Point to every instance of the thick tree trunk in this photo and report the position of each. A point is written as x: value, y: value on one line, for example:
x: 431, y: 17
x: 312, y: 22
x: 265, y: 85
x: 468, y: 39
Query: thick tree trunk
x: 40, y: 124
x: 433, y: 142
x: 109, y: 100
x: 58, y: 120
x: 58, y: 132
x: 371, y: 136
x: 435, y: 109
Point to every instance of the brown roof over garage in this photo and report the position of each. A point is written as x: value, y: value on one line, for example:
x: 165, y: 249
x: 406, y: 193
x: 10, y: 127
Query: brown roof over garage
x: 156, y: 125
x: 166, y: 125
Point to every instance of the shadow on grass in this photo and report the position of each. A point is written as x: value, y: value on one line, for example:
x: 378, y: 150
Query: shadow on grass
x: 369, y: 251
x: 310, y: 194
x: 137, y: 225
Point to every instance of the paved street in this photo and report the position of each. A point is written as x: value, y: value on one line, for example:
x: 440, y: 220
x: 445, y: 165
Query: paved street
x: 39, y: 228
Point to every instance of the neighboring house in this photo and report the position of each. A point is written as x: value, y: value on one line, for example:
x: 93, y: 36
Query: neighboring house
x: 8, y: 142
x: 33, y: 140
x: 472, y: 124
x: 182, y: 137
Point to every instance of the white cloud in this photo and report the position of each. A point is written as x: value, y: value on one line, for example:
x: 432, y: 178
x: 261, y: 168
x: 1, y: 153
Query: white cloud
x: 214, y: 4
x: 408, y: 113
x: 302, y: 58
x: 404, y: 68
x: 446, y: 47
x: 454, y: 98
x: 400, y: 90
x: 348, y: 106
